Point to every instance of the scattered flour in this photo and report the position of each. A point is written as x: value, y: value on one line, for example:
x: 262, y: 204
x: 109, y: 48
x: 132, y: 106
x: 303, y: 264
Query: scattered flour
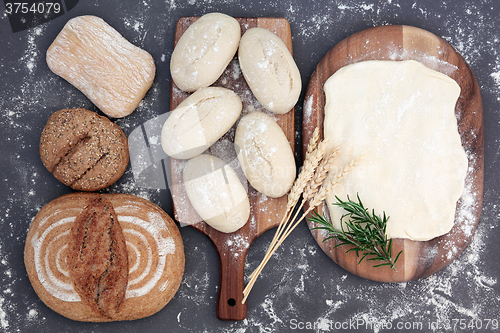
x: 292, y: 284
x: 3, y: 316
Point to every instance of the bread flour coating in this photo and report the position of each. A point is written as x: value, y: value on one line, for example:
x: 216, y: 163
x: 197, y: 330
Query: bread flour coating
x: 265, y: 154
x: 83, y: 150
x: 204, y: 51
x: 92, y: 56
x: 269, y: 70
x: 199, y: 121
x: 104, y: 257
x: 216, y: 193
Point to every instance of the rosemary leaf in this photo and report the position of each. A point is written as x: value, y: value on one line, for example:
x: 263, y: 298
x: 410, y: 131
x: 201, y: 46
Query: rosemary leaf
x: 363, y: 230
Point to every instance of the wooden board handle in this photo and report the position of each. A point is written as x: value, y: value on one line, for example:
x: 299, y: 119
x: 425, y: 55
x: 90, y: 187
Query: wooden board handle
x: 232, y: 283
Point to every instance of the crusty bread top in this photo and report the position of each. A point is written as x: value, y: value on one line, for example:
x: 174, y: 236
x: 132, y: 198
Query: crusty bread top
x: 97, y: 258
x: 154, y: 248
x: 95, y: 58
x: 83, y: 150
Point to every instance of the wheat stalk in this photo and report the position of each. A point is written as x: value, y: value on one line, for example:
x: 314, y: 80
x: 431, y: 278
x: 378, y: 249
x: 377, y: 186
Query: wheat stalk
x: 317, y: 177
x: 325, y: 188
x: 313, y: 157
x: 318, y: 198
x: 320, y: 174
x: 311, y: 187
x: 311, y: 161
x: 312, y: 176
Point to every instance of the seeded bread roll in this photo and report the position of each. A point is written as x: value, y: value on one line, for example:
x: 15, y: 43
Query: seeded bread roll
x: 83, y: 150
x: 104, y: 257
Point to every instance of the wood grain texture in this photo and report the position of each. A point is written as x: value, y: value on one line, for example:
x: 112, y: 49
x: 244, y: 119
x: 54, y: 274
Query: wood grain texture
x: 419, y: 259
x: 265, y: 213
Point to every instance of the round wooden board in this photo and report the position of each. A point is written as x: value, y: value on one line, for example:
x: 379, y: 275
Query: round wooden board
x: 397, y: 42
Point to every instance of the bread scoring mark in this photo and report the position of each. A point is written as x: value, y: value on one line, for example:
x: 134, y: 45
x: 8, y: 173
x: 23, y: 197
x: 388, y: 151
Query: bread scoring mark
x: 68, y: 152
x: 195, y: 113
x: 275, y: 57
x: 194, y: 54
x: 97, y: 258
x: 258, y: 159
x: 89, y: 169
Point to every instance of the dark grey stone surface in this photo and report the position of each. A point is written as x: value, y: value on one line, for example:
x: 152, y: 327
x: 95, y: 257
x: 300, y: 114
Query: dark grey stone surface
x: 301, y: 289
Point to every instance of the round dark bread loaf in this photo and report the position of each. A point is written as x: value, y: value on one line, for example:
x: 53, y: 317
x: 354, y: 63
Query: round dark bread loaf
x: 83, y: 150
x: 104, y: 257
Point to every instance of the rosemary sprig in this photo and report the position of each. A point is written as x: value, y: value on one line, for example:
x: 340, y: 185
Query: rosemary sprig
x: 364, y: 231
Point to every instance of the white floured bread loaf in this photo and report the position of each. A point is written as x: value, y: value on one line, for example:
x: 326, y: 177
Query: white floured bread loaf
x: 269, y: 70
x: 265, y: 154
x: 104, y: 257
x: 204, y: 51
x: 216, y: 193
x: 91, y: 55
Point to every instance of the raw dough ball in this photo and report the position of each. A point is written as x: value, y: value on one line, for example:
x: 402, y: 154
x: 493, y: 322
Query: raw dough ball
x: 204, y: 51
x: 199, y: 121
x: 216, y: 193
x: 401, y: 115
x: 265, y: 154
x: 269, y: 69
x: 91, y: 55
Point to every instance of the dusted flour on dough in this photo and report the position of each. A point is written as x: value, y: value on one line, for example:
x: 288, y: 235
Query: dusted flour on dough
x: 400, y: 116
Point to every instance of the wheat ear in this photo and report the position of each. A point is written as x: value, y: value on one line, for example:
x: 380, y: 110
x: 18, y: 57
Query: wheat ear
x: 321, y: 194
x: 311, y: 161
x: 314, y: 171
x: 314, y: 154
x: 316, y: 200
x: 310, y: 189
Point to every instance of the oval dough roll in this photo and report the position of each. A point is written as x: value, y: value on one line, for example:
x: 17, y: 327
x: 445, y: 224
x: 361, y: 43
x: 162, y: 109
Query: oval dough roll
x: 269, y: 69
x: 204, y: 51
x: 265, y: 154
x: 199, y: 121
x: 216, y: 193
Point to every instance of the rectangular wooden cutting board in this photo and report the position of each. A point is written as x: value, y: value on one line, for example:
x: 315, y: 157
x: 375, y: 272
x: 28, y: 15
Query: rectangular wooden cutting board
x: 265, y: 212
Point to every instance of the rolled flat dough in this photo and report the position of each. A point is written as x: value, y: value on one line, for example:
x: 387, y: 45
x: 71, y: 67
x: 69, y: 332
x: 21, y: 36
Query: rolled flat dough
x: 401, y: 116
